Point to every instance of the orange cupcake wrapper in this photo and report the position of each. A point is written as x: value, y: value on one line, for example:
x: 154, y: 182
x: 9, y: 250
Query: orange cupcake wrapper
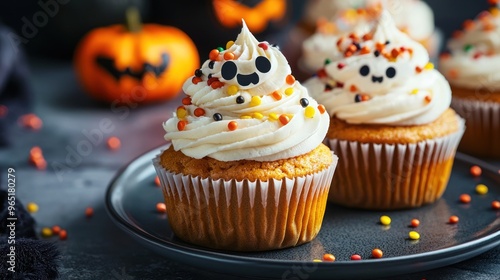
x: 388, y: 176
x: 244, y: 215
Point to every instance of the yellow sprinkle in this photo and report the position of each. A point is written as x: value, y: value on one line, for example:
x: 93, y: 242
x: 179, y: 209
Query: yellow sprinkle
x: 245, y: 117
x: 415, y: 91
x: 273, y: 117
x: 481, y: 189
x: 255, y: 101
x: 494, y: 11
x: 258, y: 116
x: 309, y: 112
x: 229, y: 44
x: 413, y: 235
x: 385, y: 220
x: 232, y: 90
x: 289, y: 91
x: 181, y: 113
x: 32, y: 207
x: 46, y: 232
x: 429, y: 66
x: 317, y: 260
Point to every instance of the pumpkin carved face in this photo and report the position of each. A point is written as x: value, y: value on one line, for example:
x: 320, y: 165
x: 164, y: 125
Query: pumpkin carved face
x: 256, y: 13
x: 151, y: 64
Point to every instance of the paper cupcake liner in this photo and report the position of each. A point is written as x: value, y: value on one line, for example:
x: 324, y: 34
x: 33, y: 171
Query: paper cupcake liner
x: 245, y: 215
x: 482, y: 136
x: 392, y: 176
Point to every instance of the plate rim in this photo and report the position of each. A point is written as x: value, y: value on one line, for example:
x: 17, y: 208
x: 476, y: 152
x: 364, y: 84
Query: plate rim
x: 434, y: 259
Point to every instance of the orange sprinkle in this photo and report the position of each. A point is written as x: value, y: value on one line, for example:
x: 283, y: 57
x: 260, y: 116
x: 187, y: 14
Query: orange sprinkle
x: 3, y: 110
x: 40, y: 164
x: 63, y: 234
x: 348, y: 53
x: 468, y: 24
x: 161, y: 207
x: 196, y: 80
x: 365, y: 97
x: 365, y: 50
x: 445, y: 55
x: 453, y: 73
x: 89, y: 212
x: 476, y: 171
x: 214, y: 54
x: 329, y: 257
x: 418, y: 69
x: 457, y: 34
x: 31, y: 121
x: 414, y: 223
x: 428, y: 99
x: 353, y: 88
x: 186, y: 100
x: 352, y: 48
x: 36, y: 158
x: 488, y: 26
x: 495, y: 205
x: 114, y: 143
x: 228, y: 56
x: 290, y: 79
x: 199, y: 112
x: 284, y: 119
x: 181, y: 125
x: 377, y: 253
x: 276, y: 95
x: 353, y: 36
x: 321, y: 109
x: 395, y: 53
x: 321, y: 73
x: 339, y: 41
x: 465, y: 198
x: 157, y: 181
x: 453, y: 220
x: 56, y: 230
x: 367, y: 37
x: 380, y: 46
x: 232, y: 125
x: 36, y: 152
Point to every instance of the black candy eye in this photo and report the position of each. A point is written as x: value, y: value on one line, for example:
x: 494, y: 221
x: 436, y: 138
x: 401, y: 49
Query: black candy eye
x: 390, y: 72
x: 263, y: 64
x: 229, y: 70
x: 364, y: 70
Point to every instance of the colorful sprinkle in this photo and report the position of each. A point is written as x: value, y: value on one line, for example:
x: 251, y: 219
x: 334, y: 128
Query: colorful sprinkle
x: 495, y: 205
x: 214, y: 54
x: 240, y: 99
x: 32, y: 207
x: 56, y: 229
x: 46, y: 232
x: 340, y: 66
x: 228, y: 56
x: 365, y: 50
x: 229, y: 44
x: 276, y: 95
x: 309, y: 112
x: 428, y: 98
x: 217, y: 117
x: 31, y: 121
x: 304, y: 102
x: 186, y: 100
x: 353, y: 88
x: 317, y: 260
x: 290, y: 79
x: 413, y: 235
x: 63, y: 234
x: 453, y: 220
x: 181, y: 125
x: 468, y: 47
x: 377, y: 253
x: 321, y: 108
x: 198, y: 112
x: 157, y: 181
x: 113, y: 143
x: 328, y: 257
x: 263, y: 46
x: 232, y: 125
x: 414, y: 91
x: 284, y: 119
x: 196, y: 80
x: 418, y: 69
x: 414, y: 223
x: 245, y: 117
x: 465, y: 198
x: 232, y: 90
x: 355, y: 257
x: 255, y: 101
x: 321, y: 73
x: 216, y: 84
x: 36, y: 158
x: 453, y: 73
x: 468, y: 24
x: 257, y: 115
x: 161, y: 207
x: 385, y: 220
x: 429, y: 66
x: 481, y: 189
x: 327, y: 61
x: 89, y: 212
x: 289, y: 91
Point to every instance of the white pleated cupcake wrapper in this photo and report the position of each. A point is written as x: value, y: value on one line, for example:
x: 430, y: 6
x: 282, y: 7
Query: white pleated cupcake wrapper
x: 218, y: 194
x: 386, y: 164
x: 484, y: 120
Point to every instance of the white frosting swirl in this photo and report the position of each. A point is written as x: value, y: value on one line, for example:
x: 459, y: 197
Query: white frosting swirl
x: 387, y: 80
x: 475, y: 54
x: 253, y: 88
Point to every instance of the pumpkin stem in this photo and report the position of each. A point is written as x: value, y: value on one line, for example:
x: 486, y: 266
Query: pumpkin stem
x: 133, y: 19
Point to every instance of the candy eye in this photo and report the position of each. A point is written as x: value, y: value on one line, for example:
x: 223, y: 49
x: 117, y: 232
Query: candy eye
x: 390, y: 72
x: 364, y: 70
x: 229, y: 70
x: 263, y: 64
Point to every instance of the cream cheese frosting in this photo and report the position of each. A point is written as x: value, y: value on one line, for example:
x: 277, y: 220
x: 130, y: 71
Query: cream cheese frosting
x: 383, y: 77
x: 473, y: 60
x: 243, y: 103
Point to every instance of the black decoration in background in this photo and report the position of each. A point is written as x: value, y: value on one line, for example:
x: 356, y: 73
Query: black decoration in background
x: 109, y: 65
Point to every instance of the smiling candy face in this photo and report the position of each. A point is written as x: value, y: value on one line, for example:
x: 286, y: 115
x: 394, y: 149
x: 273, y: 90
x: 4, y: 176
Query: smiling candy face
x: 232, y: 74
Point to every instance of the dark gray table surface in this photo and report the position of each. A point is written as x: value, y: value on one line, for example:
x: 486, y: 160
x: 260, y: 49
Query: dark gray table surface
x: 96, y: 248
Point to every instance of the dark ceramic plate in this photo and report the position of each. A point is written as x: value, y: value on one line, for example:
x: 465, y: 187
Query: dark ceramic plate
x: 132, y: 196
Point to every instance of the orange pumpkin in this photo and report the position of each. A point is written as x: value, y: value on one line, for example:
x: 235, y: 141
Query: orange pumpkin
x: 134, y: 63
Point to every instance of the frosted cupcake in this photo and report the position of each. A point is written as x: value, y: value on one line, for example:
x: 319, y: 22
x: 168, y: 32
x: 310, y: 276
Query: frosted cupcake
x: 473, y: 70
x: 391, y: 123
x: 247, y: 169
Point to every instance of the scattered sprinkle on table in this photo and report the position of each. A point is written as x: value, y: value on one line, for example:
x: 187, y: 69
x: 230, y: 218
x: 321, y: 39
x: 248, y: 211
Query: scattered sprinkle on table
x: 377, y: 253
x: 114, y: 143
x: 495, y: 205
x: 414, y: 223
x: 46, y: 232
x: 157, y: 181
x: 413, y: 235
x: 63, y: 234
x: 89, y: 212
x: 481, y: 189
x: 31, y: 121
x: 56, y: 230
x: 161, y: 207
x: 329, y: 257
x: 385, y: 220
x: 355, y: 257
x: 453, y: 219
x: 476, y: 171
x: 32, y: 207
x: 465, y: 198
x: 317, y: 260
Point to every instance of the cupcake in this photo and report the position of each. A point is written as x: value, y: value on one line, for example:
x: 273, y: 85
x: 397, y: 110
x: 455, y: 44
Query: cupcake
x: 472, y: 67
x: 391, y: 124
x: 246, y: 169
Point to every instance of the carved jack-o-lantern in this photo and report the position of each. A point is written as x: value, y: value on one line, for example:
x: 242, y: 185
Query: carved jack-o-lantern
x: 139, y: 63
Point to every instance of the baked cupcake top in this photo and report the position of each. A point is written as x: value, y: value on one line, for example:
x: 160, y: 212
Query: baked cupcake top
x: 473, y: 60
x: 382, y: 77
x: 243, y: 103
